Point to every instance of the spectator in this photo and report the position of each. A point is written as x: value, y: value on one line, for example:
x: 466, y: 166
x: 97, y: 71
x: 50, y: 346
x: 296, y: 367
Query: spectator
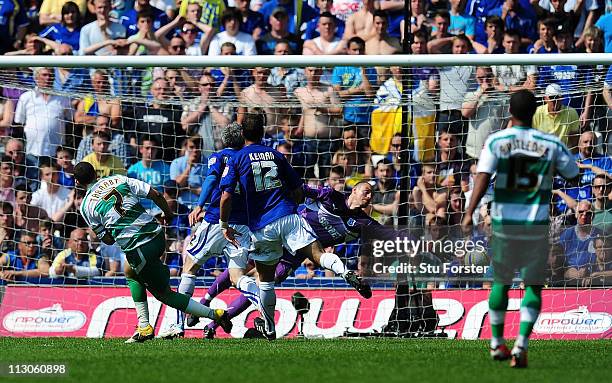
x: 99, y: 102
x: 7, y: 191
x: 327, y: 43
x: 25, y: 165
x: 9, y: 235
x: 32, y: 47
x: 564, y: 18
x: 13, y: 26
x: 67, y: 30
x: 27, y: 216
x: 311, y: 29
x: 64, y: 157
x: 252, y: 22
x: 161, y: 119
x: 149, y: 169
x: 567, y: 76
x: 189, y: 172
x: 455, y: 82
x: 130, y: 18
x: 279, y: 21
x: 514, y: 16
x: 49, y: 243
x: 195, y: 34
x: 511, y: 78
x: 380, y: 43
x: 76, y: 261
x: 320, y: 105
x: 25, y: 262
x: 385, y: 193
x: 484, y: 112
x: 244, y: 43
x: 201, y: 117
x: 455, y: 210
x: 231, y: 80
x: 336, y: 179
x: 577, y: 244
x: 52, y: 11
x: 68, y: 80
x: 452, y: 168
x: 591, y: 162
x: 441, y: 41
x: 44, y: 131
x: 494, y: 27
x: 117, y: 147
x: 602, y: 206
x: 51, y: 196
x: 354, y: 85
x: 361, y: 23
x: 143, y: 41
x: 103, y: 36
x: 105, y: 163
x: 594, y: 112
x: 605, y: 25
x: 460, y: 23
x: 425, y: 198
x: 557, y: 119
x: 545, y: 43
x: 261, y: 95
x: 179, y: 83
x: 289, y: 78
x: 295, y: 16
x: 601, y: 271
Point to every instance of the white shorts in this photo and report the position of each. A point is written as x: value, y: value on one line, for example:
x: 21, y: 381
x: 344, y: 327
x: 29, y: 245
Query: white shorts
x: 208, y: 241
x: 290, y: 232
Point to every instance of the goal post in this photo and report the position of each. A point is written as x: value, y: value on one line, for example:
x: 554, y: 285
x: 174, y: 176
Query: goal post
x: 412, y: 126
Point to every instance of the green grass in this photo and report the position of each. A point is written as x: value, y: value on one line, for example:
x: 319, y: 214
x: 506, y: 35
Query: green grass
x: 307, y: 361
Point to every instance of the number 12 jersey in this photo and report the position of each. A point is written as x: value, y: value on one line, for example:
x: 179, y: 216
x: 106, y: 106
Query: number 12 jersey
x: 266, y: 179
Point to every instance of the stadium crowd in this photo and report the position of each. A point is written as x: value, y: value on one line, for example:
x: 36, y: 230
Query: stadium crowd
x: 336, y: 126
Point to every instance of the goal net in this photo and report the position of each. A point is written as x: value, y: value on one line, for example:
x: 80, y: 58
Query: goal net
x: 413, y: 127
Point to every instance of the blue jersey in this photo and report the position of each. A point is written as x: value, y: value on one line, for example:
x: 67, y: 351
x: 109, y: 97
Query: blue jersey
x: 61, y: 35
x: 266, y: 179
x: 216, y: 165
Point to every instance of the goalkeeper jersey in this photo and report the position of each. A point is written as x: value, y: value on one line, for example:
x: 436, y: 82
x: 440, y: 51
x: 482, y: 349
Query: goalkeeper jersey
x: 112, y: 205
x: 525, y: 161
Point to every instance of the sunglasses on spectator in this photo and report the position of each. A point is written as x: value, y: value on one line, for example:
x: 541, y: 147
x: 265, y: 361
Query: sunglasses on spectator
x: 189, y: 30
x: 28, y: 243
x: 396, y: 145
x: 177, y: 47
x: 584, y: 212
x: 205, y: 84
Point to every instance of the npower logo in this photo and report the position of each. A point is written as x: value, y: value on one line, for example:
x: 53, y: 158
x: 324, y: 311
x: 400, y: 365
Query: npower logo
x: 50, y: 319
x: 577, y: 321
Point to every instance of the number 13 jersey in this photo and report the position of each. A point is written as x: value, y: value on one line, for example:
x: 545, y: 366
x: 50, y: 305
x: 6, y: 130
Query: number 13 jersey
x: 266, y: 179
x: 112, y: 205
x: 525, y: 161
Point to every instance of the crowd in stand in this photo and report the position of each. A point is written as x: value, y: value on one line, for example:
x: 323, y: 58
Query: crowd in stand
x: 338, y: 126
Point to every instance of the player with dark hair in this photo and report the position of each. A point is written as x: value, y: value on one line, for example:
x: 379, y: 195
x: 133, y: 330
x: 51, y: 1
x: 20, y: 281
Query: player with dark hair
x: 112, y: 209
x: 525, y: 161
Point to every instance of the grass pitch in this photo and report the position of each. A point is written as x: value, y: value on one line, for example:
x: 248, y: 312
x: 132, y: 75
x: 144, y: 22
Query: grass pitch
x: 307, y: 361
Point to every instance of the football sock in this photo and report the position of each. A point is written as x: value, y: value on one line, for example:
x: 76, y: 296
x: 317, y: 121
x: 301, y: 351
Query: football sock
x: 331, y: 261
x: 282, y: 271
x: 248, y: 288
x: 221, y: 283
x: 267, y: 297
x: 530, y: 309
x: 139, y: 295
x: 199, y: 310
x: 498, y: 303
x: 186, y: 287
